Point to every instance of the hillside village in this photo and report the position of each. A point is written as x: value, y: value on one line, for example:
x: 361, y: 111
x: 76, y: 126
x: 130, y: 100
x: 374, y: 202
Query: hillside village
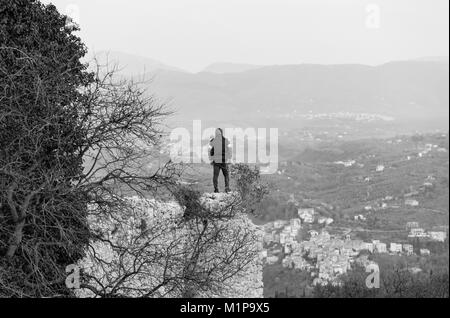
x: 385, y: 197
x: 328, y: 256
x: 377, y: 198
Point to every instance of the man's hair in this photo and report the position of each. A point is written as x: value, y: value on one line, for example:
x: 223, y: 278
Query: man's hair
x: 221, y: 131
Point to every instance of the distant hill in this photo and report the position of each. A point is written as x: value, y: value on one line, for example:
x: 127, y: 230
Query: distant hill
x: 403, y: 90
x: 223, y: 68
x: 130, y: 64
x: 441, y: 59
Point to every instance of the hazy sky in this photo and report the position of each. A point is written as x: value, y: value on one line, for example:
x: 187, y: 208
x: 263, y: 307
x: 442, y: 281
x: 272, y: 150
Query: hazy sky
x: 191, y: 34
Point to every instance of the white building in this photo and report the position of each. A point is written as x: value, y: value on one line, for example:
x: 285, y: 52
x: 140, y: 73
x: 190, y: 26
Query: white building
x: 395, y: 248
x: 380, y: 168
x: 417, y: 232
x: 408, y: 249
x: 424, y: 252
x: 412, y: 225
x: 271, y: 260
x: 307, y: 215
x: 438, y: 236
x: 414, y: 270
x: 282, y: 238
x: 347, y: 163
x: 381, y: 248
x: 279, y: 224
x: 321, y: 220
x: 296, y: 223
x: 411, y: 202
x: 369, y: 247
x: 287, y: 249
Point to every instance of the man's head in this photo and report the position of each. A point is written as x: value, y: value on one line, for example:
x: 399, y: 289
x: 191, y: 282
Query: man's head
x: 219, y: 132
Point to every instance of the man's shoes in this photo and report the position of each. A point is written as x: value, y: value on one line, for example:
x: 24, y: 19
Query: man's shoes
x: 227, y: 190
x: 216, y: 190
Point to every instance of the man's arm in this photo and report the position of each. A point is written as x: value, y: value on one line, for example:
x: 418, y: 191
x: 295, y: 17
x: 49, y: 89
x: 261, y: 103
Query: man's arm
x: 228, y: 150
x: 211, y: 150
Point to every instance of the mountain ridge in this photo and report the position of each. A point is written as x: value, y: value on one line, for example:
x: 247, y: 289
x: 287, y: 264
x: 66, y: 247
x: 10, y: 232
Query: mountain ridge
x: 410, y: 89
x: 131, y: 64
x: 227, y: 67
x: 398, y: 89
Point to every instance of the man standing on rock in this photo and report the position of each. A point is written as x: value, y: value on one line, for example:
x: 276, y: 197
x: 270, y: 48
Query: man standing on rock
x: 219, y: 155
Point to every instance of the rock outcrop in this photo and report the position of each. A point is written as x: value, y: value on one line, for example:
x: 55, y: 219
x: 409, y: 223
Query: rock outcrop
x: 155, y: 238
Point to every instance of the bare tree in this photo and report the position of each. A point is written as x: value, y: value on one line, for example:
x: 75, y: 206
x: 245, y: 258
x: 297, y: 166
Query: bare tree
x: 61, y: 157
x: 115, y: 132
x: 73, y: 145
x: 192, y: 247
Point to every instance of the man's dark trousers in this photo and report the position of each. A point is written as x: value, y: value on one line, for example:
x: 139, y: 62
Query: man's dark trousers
x: 226, y: 175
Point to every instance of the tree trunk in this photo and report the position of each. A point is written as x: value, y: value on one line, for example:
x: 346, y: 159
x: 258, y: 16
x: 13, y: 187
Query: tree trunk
x: 16, y: 239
